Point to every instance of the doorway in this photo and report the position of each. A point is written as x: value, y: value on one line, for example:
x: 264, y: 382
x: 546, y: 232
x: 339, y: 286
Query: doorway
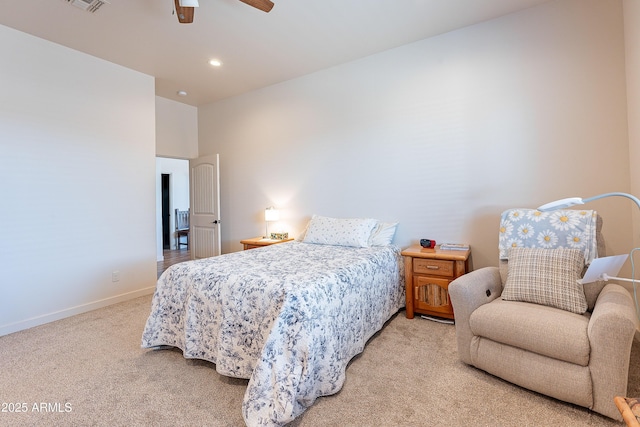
x: 172, y: 192
x: 166, y: 211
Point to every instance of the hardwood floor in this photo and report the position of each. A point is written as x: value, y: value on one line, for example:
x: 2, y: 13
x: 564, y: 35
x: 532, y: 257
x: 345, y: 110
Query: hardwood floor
x: 173, y: 257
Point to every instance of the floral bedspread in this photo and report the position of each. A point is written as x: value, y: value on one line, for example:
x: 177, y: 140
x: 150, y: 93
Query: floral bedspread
x: 288, y: 317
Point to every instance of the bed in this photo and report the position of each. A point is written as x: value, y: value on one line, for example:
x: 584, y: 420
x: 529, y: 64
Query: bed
x: 287, y: 317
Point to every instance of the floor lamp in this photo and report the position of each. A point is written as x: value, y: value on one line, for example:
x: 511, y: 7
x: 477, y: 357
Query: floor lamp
x: 629, y: 407
x: 572, y: 201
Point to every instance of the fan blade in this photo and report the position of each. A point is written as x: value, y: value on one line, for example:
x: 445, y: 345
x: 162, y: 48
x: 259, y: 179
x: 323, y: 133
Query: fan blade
x: 185, y: 14
x: 263, y: 5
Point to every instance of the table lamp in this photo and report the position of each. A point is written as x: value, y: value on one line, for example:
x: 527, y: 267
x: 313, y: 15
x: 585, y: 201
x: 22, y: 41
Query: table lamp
x: 270, y: 214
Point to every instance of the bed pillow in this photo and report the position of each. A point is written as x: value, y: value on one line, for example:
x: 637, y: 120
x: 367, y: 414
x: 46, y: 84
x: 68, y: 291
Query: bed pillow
x: 383, y: 233
x: 547, y: 277
x: 339, y: 231
x: 301, y: 236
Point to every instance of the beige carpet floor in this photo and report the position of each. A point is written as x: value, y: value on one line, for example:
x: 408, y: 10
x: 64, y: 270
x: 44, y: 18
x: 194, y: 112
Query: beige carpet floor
x: 89, y: 370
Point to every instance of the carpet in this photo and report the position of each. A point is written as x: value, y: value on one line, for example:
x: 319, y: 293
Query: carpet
x: 89, y: 370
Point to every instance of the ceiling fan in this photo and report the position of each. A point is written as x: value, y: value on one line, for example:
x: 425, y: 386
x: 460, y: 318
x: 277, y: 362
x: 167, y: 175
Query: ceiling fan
x: 185, y: 8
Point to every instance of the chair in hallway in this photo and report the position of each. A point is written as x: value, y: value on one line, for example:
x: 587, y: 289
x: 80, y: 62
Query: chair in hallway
x: 182, y: 228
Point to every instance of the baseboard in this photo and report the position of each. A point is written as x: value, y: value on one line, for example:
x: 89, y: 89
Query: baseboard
x: 51, y: 317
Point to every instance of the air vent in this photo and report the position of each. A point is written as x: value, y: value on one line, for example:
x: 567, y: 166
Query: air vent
x: 88, y: 5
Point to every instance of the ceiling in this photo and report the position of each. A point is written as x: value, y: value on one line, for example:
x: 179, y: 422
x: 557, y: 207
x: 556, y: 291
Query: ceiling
x: 257, y: 49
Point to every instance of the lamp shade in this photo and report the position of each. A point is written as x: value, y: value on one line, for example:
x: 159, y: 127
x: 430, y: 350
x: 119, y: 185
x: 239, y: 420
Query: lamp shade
x: 561, y: 204
x: 572, y: 201
x: 271, y: 214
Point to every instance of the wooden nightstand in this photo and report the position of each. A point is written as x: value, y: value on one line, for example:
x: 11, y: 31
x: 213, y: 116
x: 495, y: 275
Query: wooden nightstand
x: 258, y: 242
x: 428, y: 273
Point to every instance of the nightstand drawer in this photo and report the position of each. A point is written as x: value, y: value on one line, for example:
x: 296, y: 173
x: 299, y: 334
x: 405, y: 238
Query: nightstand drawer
x: 433, y: 267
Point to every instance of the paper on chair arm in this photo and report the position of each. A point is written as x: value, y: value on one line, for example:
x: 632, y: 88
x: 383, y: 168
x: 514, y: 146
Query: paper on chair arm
x: 603, y: 268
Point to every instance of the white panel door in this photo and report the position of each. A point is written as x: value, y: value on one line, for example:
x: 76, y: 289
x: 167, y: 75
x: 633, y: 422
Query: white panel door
x: 204, y: 238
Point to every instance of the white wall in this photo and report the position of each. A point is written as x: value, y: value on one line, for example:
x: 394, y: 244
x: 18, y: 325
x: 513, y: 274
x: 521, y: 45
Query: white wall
x: 77, y: 179
x: 178, y: 170
x: 441, y: 135
x: 176, y: 129
x: 632, y: 53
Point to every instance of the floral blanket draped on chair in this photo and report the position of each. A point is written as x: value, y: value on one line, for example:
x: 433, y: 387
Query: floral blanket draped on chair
x: 530, y: 228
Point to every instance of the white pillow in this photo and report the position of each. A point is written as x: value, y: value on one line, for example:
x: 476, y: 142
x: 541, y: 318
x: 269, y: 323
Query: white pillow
x: 300, y: 237
x: 383, y: 233
x: 340, y: 231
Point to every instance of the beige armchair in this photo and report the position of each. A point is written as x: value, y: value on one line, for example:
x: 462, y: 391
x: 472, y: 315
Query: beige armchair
x: 581, y: 358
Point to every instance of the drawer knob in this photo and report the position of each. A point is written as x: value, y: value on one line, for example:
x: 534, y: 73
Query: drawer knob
x: 433, y: 267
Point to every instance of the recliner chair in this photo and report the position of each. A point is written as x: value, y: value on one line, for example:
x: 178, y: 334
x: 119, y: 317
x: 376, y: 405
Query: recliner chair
x: 522, y: 321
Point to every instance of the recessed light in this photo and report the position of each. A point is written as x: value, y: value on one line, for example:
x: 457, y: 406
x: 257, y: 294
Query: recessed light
x: 182, y: 93
x: 215, y: 62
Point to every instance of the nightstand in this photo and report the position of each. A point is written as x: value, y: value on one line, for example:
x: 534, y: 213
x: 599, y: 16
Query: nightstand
x: 428, y: 273
x: 258, y: 242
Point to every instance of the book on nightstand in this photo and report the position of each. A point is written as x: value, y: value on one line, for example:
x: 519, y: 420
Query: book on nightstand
x: 454, y: 246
